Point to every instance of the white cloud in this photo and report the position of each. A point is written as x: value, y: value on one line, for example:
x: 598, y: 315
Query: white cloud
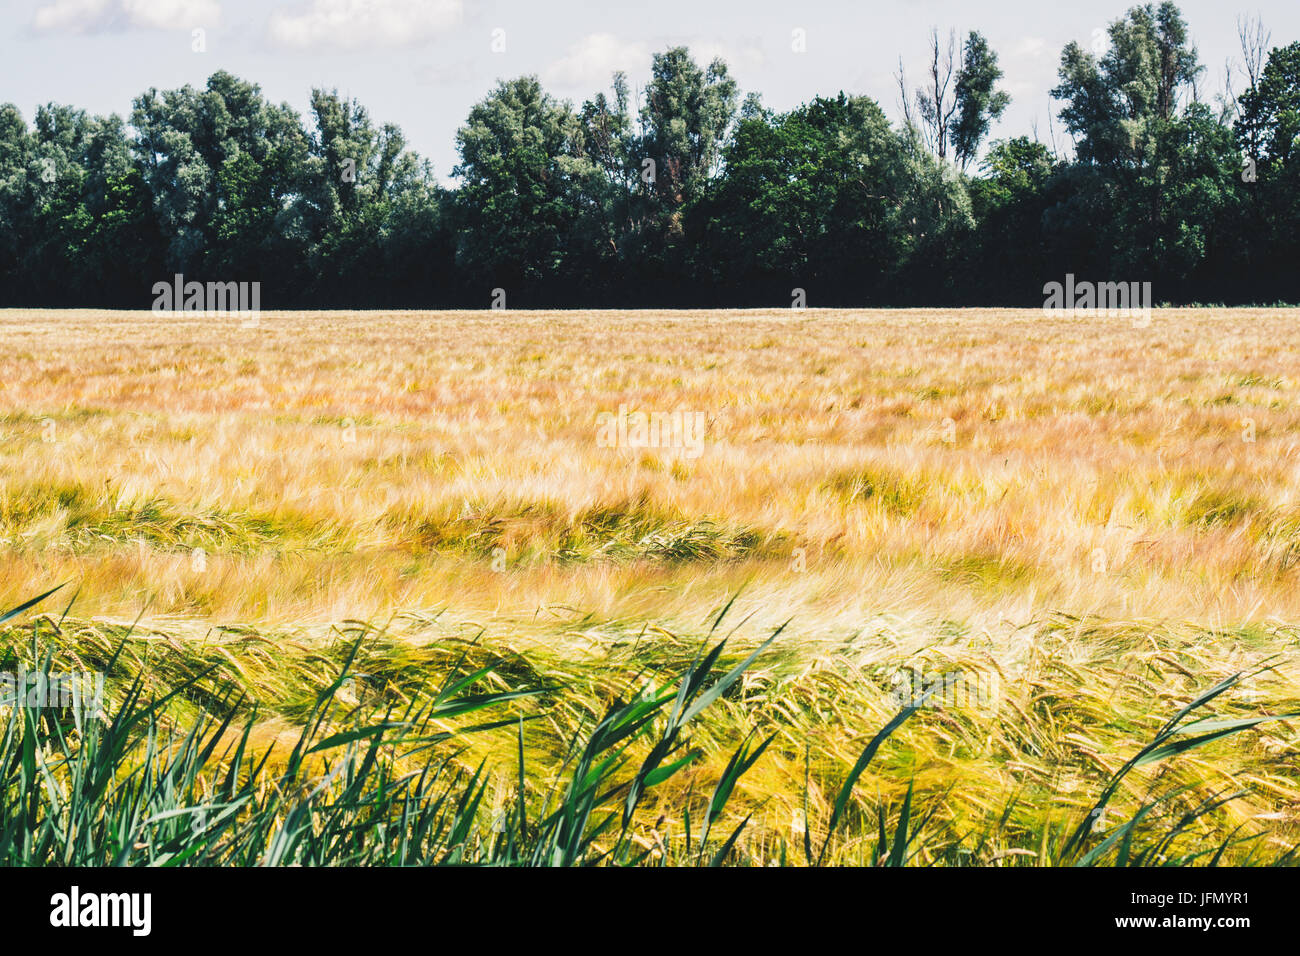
x: 77, y: 16
x: 592, y: 61
x: 1030, y: 47
x: 1030, y: 68
x: 742, y: 60
x: 98, y: 16
x: 172, y: 14
x: 360, y: 24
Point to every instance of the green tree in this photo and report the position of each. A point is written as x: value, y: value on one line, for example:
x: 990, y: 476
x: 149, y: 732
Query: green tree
x: 978, y: 100
x: 1270, y: 113
x: 225, y: 170
x: 1267, y: 233
x: 15, y: 201
x: 367, y: 200
x: 827, y: 198
x: 1114, y: 105
x: 87, y: 227
x: 685, y: 120
x: 618, y: 200
x: 522, y: 168
x: 1159, y: 165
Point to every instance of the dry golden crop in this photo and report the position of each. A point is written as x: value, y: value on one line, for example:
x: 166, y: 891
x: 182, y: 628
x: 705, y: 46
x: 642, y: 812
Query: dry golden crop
x: 1102, y: 515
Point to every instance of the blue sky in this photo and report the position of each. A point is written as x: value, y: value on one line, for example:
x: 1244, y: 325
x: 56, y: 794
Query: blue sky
x: 423, y: 63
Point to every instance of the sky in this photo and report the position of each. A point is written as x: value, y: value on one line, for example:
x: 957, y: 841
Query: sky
x: 423, y: 63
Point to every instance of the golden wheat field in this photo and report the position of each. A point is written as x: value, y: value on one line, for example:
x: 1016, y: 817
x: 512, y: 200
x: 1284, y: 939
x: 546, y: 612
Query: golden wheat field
x: 1100, y: 519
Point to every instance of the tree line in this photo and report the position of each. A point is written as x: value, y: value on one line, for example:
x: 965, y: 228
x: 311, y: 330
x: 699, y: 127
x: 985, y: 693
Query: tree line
x: 681, y: 193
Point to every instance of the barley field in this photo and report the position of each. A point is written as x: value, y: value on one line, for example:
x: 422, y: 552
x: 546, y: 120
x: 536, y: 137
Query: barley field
x: 326, y: 519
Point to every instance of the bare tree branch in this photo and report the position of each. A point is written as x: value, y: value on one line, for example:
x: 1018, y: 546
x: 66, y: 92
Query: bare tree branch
x: 938, y: 104
x: 1253, y: 39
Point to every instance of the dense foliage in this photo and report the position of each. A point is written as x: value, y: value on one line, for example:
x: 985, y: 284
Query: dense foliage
x: 692, y: 197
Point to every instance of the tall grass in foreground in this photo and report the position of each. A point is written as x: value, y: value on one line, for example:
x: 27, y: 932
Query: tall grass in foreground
x: 151, y: 781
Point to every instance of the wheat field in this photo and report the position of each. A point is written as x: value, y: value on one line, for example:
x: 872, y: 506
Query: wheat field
x: 1099, y: 518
